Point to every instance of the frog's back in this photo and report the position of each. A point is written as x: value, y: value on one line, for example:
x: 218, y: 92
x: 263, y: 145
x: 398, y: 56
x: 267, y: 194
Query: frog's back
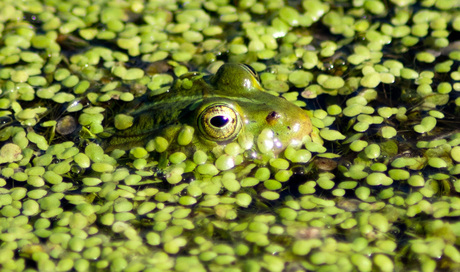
x: 153, y: 115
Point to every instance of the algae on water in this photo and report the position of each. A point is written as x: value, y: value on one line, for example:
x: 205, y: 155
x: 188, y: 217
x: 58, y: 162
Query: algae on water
x: 375, y: 188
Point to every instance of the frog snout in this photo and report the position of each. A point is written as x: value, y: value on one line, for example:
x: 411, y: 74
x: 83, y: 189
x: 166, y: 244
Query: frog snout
x: 291, y: 128
x: 302, y: 125
x: 299, y: 123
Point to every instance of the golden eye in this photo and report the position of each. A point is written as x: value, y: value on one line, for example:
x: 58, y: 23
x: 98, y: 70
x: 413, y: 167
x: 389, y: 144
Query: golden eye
x: 219, y: 122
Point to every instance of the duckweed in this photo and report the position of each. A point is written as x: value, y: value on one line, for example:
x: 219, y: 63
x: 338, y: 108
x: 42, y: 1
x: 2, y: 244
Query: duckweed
x: 382, y: 176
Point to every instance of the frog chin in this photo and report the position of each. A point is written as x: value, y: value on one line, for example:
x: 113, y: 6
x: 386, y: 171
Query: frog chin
x: 298, y: 136
x: 296, y: 143
x: 279, y: 146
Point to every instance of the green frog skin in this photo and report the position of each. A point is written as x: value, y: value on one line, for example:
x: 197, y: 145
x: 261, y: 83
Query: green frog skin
x: 215, y: 110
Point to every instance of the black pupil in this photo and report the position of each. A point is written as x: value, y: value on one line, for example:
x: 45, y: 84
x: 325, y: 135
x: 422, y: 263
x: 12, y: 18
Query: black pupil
x: 219, y: 121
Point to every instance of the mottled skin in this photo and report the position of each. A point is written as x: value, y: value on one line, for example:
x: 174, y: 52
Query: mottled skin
x: 234, y: 86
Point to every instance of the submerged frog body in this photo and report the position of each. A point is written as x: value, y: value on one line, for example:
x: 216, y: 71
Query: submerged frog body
x: 207, y: 112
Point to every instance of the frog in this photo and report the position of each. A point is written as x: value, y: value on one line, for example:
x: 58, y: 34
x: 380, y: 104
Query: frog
x: 230, y: 106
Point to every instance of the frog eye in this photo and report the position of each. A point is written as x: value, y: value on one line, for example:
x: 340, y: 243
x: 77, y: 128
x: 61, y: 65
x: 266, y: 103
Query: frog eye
x: 219, y: 122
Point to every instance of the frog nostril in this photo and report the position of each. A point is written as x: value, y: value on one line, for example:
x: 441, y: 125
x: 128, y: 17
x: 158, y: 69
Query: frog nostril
x: 272, y: 117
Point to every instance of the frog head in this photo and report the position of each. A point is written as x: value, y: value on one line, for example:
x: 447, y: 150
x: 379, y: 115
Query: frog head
x: 215, y: 110
x: 237, y: 108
